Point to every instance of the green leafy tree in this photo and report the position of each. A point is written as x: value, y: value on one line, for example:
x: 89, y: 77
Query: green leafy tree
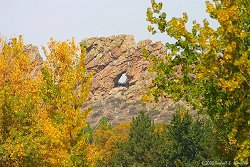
x: 189, y: 141
x: 144, y: 146
x: 209, y: 68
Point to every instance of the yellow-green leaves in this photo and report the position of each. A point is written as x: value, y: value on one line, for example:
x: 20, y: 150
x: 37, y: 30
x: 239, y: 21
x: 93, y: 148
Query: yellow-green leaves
x: 41, y: 117
x: 65, y: 89
x: 19, y: 101
x: 214, y: 65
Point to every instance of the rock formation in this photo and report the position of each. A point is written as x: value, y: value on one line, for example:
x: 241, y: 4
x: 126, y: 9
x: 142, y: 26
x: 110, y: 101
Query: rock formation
x: 113, y: 56
x: 109, y: 58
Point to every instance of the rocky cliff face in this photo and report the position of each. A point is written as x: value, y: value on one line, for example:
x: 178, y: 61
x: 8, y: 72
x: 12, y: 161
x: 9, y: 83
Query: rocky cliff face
x: 110, y: 58
x: 113, y: 56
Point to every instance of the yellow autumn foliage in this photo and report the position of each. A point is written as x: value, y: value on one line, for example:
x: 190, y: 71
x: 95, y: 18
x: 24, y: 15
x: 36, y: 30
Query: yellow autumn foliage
x: 41, y: 116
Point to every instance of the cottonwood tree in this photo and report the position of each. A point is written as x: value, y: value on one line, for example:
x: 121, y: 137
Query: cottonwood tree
x: 19, y: 101
x: 105, y: 139
x: 212, y: 67
x: 65, y: 87
x: 41, y: 117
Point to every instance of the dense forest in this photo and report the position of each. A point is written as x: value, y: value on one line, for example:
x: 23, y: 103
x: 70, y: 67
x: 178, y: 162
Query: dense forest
x: 43, y: 122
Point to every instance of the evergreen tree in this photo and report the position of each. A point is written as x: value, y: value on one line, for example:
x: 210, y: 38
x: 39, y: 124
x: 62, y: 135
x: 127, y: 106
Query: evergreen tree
x: 189, y: 141
x: 144, y: 145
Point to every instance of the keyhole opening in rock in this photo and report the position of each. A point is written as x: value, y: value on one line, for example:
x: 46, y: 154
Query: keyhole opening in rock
x: 121, y: 80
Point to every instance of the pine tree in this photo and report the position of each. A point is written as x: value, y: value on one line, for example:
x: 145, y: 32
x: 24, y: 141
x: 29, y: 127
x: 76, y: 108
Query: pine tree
x: 189, y: 141
x: 143, y: 147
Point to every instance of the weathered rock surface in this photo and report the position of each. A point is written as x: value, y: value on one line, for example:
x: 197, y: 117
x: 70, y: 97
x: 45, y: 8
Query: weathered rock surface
x: 109, y: 58
x: 113, y: 56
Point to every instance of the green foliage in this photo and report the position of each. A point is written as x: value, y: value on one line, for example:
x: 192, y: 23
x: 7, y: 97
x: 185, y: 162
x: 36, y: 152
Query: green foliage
x: 103, y: 124
x: 88, y: 130
x: 185, y: 141
x: 144, y: 146
x: 189, y: 141
x: 209, y: 68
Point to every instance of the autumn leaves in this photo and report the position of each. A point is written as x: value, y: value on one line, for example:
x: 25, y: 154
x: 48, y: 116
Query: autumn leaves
x: 42, y: 117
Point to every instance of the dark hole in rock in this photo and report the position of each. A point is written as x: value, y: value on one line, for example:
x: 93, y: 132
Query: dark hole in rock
x: 121, y: 80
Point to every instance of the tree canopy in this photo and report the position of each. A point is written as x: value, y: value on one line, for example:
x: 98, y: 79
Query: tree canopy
x: 41, y: 116
x: 209, y: 68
